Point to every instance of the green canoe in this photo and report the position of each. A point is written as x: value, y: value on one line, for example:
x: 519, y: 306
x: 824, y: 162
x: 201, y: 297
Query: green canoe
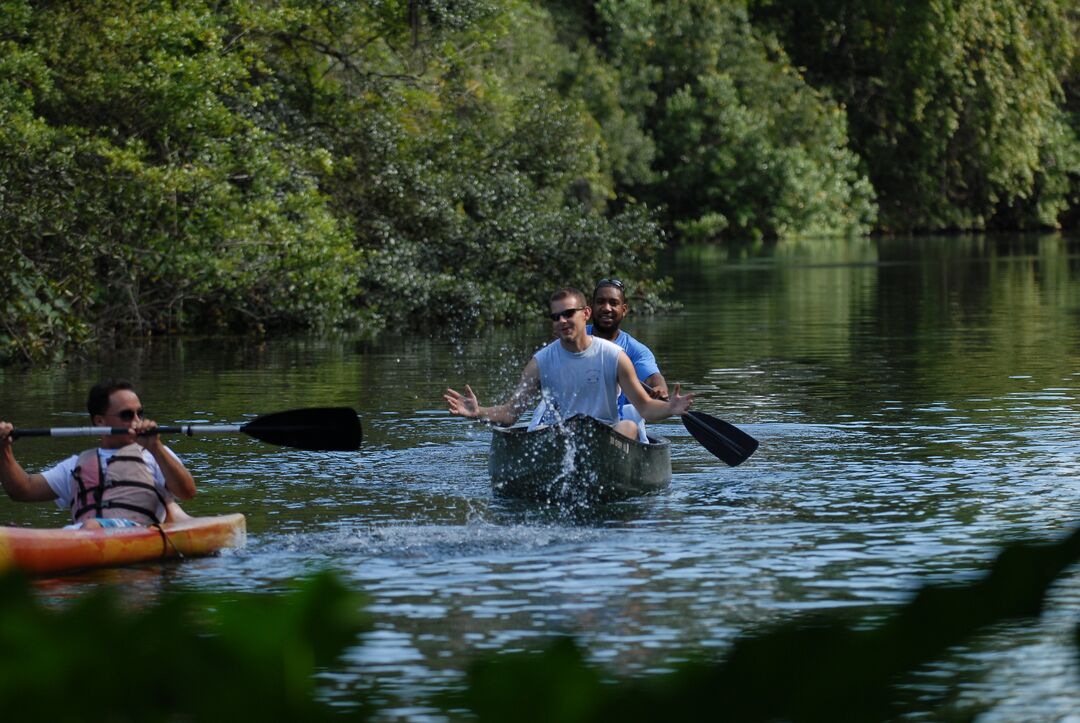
x: 581, y: 461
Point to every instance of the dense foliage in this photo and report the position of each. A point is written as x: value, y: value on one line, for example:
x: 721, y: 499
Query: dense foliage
x: 142, y: 190
x: 188, y: 657
x: 956, y: 106
x: 180, y: 166
x: 742, y: 146
x: 247, y: 165
x: 254, y: 656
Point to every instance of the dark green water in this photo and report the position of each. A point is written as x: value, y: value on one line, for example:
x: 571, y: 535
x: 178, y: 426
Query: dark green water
x: 916, y: 403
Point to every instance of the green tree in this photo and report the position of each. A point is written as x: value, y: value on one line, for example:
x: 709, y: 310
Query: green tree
x: 955, y: 105
x: 177, y: 166
x: 743, y: 146
x: 1071, y: 90
x: 473, y: 186
x: 138, y: 187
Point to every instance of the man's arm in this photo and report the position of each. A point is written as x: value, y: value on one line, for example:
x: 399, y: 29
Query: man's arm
x: 177, y: 478
x: 658, y: 388
x: 644, y: 362
x: 466, y: 405
x: 652, y: 410
x: 19, y: 485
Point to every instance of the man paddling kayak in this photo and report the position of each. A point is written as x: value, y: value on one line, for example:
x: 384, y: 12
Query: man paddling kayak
x: 575, y: 374
x: 131, y: 479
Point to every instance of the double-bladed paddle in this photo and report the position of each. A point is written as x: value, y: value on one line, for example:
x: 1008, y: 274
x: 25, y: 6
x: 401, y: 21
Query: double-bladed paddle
x: 317, y: 429
x: 726, y: 441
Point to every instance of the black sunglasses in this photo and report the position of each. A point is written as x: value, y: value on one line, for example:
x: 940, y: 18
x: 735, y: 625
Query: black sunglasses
x: 566, y: 313
x: 128, y: 415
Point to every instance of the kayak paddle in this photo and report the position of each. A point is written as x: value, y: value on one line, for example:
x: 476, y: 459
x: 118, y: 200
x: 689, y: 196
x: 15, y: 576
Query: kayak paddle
x: 726, y: 441
x: 317, y: 429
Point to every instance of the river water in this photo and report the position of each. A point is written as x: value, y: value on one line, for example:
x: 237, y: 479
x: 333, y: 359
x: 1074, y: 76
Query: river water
x: 916, y: 403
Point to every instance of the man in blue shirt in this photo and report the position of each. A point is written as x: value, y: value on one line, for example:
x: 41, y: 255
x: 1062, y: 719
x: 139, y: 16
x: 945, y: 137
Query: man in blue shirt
x: 609, y: 308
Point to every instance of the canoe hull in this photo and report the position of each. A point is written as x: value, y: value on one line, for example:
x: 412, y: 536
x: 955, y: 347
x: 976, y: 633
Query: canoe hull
x: 38, y: 552
x: 582, y: 461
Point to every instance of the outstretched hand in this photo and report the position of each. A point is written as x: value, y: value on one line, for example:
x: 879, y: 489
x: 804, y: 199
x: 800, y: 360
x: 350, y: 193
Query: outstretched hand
x: 463, y: 405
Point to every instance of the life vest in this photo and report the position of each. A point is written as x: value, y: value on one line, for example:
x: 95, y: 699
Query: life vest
x: 123, y: 486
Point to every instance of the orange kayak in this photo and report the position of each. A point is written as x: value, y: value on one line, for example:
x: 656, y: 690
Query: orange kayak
x: 36, y: 551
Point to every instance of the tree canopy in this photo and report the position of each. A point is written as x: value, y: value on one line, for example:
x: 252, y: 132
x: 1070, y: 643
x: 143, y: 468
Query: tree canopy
x: 178, y: 166
x: 956, y: 106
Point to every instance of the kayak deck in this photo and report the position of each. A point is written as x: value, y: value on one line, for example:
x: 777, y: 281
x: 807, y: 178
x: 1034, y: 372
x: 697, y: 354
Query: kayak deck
x: 582, y: 461
x: 37, y: 551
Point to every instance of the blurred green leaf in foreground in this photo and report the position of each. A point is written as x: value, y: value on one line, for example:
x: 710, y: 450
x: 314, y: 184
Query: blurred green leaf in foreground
x: 250, y: 656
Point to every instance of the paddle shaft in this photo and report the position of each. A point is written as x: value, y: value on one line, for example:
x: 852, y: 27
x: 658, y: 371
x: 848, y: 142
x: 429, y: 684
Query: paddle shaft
x: 316, y: 429
x: 188, y: 429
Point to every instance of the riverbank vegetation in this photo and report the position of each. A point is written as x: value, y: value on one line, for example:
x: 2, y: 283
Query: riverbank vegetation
x: 245, y: 165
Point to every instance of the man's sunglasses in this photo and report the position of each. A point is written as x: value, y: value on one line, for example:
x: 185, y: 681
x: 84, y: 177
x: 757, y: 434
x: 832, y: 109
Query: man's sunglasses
x: 566, y: 313
x: 128, y: 415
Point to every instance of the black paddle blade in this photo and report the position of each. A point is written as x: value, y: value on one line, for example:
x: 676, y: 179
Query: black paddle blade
x: 320, y: 429
x: 726, y: 441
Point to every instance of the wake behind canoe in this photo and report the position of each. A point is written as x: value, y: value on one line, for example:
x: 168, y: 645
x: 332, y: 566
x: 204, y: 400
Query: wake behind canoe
x: 37, y: 551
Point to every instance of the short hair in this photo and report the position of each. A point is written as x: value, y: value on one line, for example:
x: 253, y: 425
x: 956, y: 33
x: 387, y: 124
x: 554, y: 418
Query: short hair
x: 97, y: 402
x: 568, y: 291
x: 613, y: 283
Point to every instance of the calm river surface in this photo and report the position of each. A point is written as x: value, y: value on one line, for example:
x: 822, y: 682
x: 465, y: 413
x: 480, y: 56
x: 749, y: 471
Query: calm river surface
x: 917, y: 406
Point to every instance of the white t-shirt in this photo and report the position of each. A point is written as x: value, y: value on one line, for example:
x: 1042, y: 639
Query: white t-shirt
x: 61, y: 478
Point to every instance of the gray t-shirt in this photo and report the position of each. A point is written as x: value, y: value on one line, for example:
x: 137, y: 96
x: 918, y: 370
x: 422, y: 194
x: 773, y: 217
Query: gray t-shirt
x: 583, y: 382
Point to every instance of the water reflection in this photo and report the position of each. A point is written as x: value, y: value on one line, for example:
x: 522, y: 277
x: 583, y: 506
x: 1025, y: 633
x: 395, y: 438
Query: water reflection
x: 916, y: 406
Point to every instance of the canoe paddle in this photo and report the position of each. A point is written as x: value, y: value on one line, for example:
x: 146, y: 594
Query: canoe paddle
x: 317, y: 429
x: 726, y: 441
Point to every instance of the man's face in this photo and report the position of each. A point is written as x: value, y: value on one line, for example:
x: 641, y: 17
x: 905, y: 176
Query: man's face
x: 569, y: 317
x: 124, y: 408
x: 608, y: 308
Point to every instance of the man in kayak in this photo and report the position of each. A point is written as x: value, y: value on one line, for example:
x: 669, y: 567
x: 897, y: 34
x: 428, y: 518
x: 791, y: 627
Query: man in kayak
x: 609, y: 308
x: 576, y: 374
x: 131, y: 479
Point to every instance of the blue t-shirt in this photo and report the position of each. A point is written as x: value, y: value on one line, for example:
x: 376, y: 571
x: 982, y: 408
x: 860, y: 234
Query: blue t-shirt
x: 640, y: 355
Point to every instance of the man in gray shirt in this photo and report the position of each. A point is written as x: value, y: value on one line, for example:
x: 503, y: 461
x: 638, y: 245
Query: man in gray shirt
x: 576, y: 374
